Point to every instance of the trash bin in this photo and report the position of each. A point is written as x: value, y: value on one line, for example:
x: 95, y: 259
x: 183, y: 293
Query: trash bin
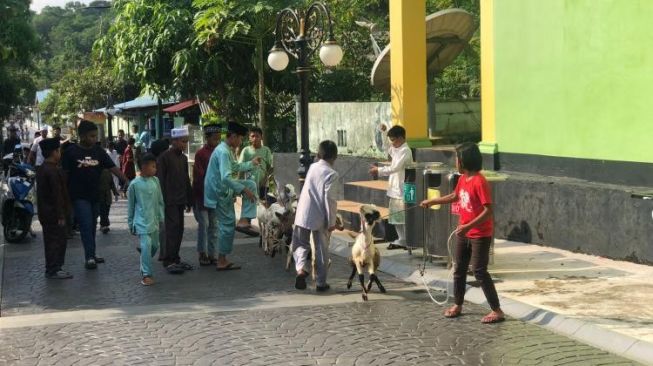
x: 438, y: 182
x: 422, y: 180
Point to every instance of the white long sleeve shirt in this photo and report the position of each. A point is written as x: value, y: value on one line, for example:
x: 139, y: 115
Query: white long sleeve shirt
x: 402, y: 156
x: 317, y: 205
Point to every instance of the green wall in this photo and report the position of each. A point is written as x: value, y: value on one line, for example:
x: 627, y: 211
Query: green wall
x: 574, y: 78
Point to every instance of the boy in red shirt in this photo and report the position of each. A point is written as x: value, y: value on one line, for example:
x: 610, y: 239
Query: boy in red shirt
x: 207, y: 221
x: 474, y: 232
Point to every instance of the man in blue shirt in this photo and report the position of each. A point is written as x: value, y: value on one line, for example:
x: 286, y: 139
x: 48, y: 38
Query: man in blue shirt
x: 220, y: 190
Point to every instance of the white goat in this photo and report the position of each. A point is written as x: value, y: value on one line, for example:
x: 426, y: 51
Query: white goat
x: 276, y: 221
x: 364, y: 253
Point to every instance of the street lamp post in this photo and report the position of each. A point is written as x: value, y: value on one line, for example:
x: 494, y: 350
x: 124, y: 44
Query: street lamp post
x: 301, y: 34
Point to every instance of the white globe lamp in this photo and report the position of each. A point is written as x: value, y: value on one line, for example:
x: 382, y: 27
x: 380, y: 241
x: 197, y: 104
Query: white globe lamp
x: 331, y: 53
x: 278, y: 59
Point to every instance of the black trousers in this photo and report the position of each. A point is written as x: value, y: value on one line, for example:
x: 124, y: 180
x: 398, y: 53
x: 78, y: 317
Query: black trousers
x: 174, y: 229
x: 105, y: 208
x: 54, y: 240
x: 478, y: 252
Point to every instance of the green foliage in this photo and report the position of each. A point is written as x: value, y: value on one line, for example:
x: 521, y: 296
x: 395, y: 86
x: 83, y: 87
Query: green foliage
x: 147, y: 43
x: 461, y: 79
x: 81, y: 90
x: 67, y: 36
x: 17, y: 44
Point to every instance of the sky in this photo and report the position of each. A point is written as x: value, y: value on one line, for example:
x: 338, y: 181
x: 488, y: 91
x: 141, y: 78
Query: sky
x: 37, y: 5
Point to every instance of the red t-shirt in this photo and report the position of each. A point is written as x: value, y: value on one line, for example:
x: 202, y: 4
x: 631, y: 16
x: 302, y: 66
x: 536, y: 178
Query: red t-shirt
x: 473, y: 193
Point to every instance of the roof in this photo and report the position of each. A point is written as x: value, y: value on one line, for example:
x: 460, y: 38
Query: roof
x: 447, y: 34
x: 144, y: 101
x: 181, y: 106
x: 41, y: 94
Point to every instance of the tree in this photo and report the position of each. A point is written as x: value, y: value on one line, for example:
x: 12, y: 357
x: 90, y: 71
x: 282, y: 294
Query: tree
x: 146, y: 40
x: 17, y: 44
x: 67, y: 36
x: 249, y: 22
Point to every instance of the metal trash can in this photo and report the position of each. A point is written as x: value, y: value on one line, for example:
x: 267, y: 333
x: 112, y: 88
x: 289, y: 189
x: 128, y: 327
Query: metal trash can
x: 421, y: 180
x: 438, y: 182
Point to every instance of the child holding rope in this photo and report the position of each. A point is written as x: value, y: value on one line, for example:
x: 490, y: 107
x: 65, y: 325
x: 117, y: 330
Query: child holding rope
x: 474, y: 232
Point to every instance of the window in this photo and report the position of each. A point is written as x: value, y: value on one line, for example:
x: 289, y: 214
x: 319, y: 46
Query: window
x: 342, y: 138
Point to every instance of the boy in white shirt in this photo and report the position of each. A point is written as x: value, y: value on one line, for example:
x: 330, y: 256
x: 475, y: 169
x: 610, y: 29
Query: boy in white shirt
x: 401, y: 156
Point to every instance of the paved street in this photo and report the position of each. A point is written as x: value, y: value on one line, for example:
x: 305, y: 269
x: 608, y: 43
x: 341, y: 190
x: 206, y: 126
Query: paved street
x: 248, y: 317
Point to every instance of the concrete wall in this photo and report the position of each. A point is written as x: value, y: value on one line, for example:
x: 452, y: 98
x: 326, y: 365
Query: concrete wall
x: 360, y: 122
x: 591, y: 218
x: 350, y: 168
x: 573, y: 79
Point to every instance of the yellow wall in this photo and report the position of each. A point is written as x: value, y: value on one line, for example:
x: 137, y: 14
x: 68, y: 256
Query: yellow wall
x: 408, y: 74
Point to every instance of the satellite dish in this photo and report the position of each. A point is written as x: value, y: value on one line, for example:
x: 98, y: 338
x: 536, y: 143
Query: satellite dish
x: 447, y: 34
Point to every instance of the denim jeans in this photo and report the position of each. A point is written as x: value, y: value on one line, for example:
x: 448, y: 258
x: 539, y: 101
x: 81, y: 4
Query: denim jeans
x: 207, y: 230
x: 86, y: 214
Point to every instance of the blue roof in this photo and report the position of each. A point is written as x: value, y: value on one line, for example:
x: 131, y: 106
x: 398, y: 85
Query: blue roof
x: 143, y: 101
x: 41, y: 94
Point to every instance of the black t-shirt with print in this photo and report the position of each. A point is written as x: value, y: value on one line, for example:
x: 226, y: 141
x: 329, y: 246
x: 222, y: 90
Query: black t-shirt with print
x: 84, y: 167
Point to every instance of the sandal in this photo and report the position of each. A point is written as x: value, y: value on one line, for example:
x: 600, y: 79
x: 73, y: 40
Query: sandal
x: 228, y: 267
x: 204, y: 260
x: 493, y: 318
x: 453, y: 312
x: 392, y: 246
x: 185, y: 266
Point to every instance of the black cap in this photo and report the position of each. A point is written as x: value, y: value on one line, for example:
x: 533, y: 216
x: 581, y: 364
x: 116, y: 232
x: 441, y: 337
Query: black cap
x: 237, y: 128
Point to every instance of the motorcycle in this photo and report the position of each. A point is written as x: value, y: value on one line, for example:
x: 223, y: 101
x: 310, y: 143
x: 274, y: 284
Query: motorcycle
x: 17, y: 197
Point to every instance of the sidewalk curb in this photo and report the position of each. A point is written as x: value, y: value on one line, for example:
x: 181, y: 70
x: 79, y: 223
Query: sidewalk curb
x: 583, y: 331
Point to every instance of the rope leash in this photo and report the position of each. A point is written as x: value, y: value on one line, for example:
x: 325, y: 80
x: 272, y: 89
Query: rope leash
x: 422, y: 271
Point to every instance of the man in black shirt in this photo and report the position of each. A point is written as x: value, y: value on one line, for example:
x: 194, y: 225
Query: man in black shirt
x: 84, y: 163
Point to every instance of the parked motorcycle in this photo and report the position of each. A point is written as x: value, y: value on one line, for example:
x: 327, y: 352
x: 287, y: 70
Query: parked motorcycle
x: 17, y: 198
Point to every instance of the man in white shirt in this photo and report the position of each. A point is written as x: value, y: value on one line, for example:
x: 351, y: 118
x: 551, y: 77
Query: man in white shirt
x: 401, y: 156
x: 316, y: 216
x: 35, y: 156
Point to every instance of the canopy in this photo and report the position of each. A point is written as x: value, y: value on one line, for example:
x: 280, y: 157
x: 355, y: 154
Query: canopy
x: 447, y: 34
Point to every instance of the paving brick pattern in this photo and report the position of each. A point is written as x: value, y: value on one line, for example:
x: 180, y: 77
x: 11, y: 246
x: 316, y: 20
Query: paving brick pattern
x: 391, y: 332
x: 373, y: 333
x: 117, y: 282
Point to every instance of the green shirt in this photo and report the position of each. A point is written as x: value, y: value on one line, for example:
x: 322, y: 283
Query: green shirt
x: 145, y: 210
x: 258, y: 174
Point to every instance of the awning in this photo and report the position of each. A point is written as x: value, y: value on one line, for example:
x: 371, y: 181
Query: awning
x: 181, y: 106
x: 447, y: 33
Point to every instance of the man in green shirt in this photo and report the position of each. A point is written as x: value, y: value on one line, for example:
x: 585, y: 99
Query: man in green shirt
x: 260, y: 173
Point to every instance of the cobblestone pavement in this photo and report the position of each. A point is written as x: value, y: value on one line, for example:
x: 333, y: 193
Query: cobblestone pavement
x: 403, y: 329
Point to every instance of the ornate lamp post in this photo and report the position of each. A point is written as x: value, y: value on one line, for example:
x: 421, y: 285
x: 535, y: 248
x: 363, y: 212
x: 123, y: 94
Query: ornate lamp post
x: 300, y: 34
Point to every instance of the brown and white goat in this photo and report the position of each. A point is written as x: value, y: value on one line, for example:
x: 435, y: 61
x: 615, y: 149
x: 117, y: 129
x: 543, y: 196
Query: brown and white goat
x: 364, y: 254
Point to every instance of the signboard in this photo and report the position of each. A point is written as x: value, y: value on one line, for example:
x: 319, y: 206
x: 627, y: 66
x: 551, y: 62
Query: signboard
x: 409, y: 193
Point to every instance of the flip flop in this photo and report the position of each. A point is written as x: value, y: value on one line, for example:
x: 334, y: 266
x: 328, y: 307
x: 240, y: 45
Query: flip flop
x: 492, y: 319
x: 229, y: 267
x: 395, y: 246
x: 247, y: 230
